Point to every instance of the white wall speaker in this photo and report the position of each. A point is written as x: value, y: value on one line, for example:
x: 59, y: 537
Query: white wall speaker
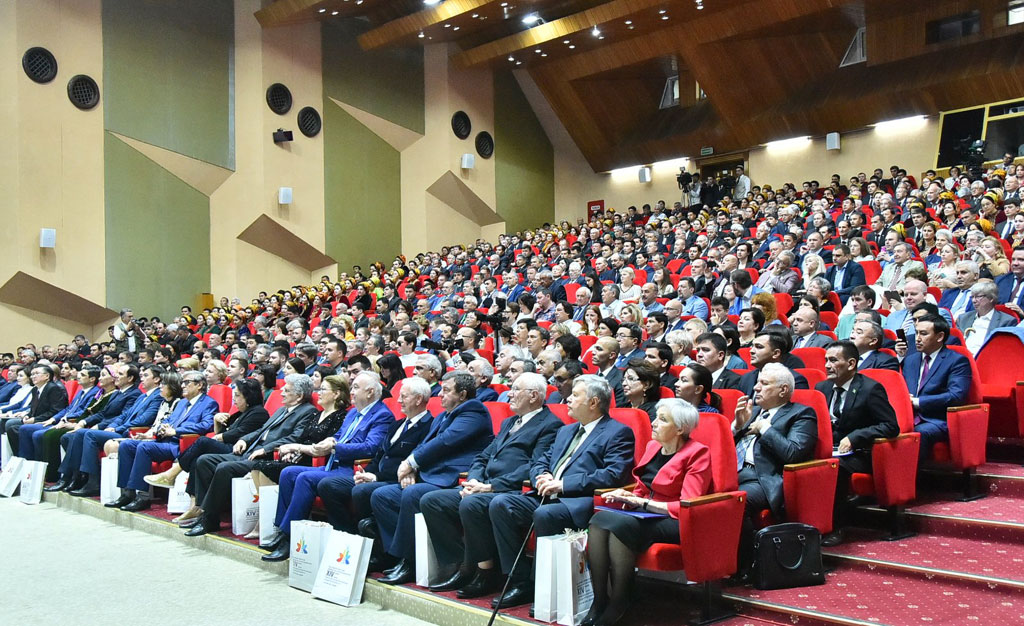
x: 645, y: 174
x: 468, y: 161
x: 47, y: 237
x: 284, y: 195
x: 832, y: 141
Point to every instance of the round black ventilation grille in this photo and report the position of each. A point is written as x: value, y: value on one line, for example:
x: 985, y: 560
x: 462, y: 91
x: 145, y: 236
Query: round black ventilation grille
x: 279, y: 98
x: 309, y: 122
x: 485, y: 144
x: 461, y: 125
x: 83, y: 92
x: 39, y: 64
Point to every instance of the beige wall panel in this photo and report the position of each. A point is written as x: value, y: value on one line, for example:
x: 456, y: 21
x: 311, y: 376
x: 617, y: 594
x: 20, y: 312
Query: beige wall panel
x: 446, y: 226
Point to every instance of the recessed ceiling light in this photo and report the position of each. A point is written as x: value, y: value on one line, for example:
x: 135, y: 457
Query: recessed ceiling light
x: 538, y: 50
x: 631, y: 27
x: 565, y: 41
x: 544, y: 54
x: 504, y: 4
x: 572, y: 47
x: 334, y: 12
x: 447, y: 25
x: 596, y: 31
x: 322, y: 11
x: 601, y: 37
x: 475, y: 15
x: 664, y: 17
x: 519, y: 62
x: 457, y: 28
x: 531, y: 18
x: 511, y: 58
x: 662, y: 12
x: 422, y: 35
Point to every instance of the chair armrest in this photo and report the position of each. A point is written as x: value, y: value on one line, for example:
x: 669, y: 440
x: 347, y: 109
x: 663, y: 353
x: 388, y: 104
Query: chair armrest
x: 810, y: 489
x: 894, y: 468
x: 186, y: 440
x: 711, y: 498
x: 901, y: 436
x: 709, y: 534
x: 968, y: 434
x: 137, y: 430
x: 796, y: 467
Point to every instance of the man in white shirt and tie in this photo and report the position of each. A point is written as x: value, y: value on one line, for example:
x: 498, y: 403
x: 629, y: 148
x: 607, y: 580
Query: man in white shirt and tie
x: 977, y: 325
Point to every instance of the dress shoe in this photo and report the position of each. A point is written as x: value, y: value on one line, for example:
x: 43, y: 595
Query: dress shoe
x: 192, y: 513
x: 272, y: 542
x: 163, y: 479
x: 832, y: 539
x: 458, y: 580
x: 127, y: 495
x: 77, y: 481
x: 281, y: 551
x: 89, y: 490
x: 404, y: 572
x: 484, y: 583
x: 140, y: 503
x: 381, y: 563
x: 60, y: 485
x: 517, y: 595
x: 740, y: 578
x: 368, y: 527
x: 199, y: 528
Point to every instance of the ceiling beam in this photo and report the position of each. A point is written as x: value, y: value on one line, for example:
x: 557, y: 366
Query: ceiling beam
x: 281, y: 12
x: 412, y: 24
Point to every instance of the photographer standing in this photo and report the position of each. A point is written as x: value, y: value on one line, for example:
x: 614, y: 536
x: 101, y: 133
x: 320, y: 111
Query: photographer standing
x: 126, y: 333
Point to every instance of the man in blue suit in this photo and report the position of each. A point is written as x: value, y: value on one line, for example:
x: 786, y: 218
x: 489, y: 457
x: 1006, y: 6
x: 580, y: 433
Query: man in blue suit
x: 141, y: 413
x: 36, y: 445
x: 501, y: 468
x: 126, y: 379
x: 937, y: 378
x: 358, y: 437
x: 595, y: 453
x: 958, y: 299
x: 455, y: 438
x: 845, y: 273
x: 1011, y: 284
x: 193, y: 416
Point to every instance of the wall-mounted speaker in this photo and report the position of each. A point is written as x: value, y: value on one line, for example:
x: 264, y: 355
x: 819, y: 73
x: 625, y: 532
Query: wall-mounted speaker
x: 832, y: 141
x: 284, y: 195
x: 645, y: 174
x: 468, y: 161
x: 47, y: 237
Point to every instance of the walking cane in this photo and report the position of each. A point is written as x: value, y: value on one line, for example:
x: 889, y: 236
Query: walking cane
x: 508, y: 578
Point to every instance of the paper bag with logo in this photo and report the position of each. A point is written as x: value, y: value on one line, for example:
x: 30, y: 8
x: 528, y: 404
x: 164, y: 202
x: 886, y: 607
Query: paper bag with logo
x: 307, y: 546
x: 178, y: 500
x: 10, y: 476
x: 342, y: 572
x: 427, y: 570
x: 5, y: 450
x: 572, y: 575
x: 32, y: 475
x: 108, y: 480
x: 268, y: 511
x: 245, y: 505
x: 544, y: 599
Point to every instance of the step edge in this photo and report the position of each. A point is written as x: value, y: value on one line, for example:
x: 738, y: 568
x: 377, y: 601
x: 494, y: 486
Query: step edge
x: 789, y: 609
x: 954, y: 518
x: 921, y: 569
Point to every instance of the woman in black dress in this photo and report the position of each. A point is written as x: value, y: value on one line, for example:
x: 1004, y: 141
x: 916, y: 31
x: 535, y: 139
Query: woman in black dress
x: 642, y: 386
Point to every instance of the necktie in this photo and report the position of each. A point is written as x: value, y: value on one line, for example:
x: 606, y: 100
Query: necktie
x: 895, y: 276
x: 924, y: 372
x: 568, y: 451
x: 516, y: 425
x: 352, y: 428
x: 1016, y: 289
x: 837, y: 404
x: 908, y: 323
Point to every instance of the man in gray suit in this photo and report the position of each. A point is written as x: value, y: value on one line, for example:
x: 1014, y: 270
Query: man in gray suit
x: 804, y: 324
x: 977, y: 325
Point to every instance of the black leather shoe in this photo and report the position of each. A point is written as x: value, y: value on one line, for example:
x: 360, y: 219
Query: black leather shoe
x: 485, y: 582
x: 368, y: 527
x: 281, y: 551
x: 832, y: 539
x: 404, y: 572
x: 140, y: 503
x: 200, y: 528
x: 60, y: 485
x: 517, y: 595
x: 88, y: 490
x: 270, y: 545
x: 458, y: 580
x: 381, y: 563
x: 76, y: 482
x: 126, y: 498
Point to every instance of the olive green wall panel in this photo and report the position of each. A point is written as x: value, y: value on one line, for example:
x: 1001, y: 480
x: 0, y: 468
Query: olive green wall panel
x: 362, y: 192
x: 524, y: 168
x: 168, y: 75
x: 157, y: 227
x: 387, y: 83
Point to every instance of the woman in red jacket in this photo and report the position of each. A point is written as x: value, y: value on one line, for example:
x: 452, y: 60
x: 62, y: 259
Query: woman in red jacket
x: 673, y: 468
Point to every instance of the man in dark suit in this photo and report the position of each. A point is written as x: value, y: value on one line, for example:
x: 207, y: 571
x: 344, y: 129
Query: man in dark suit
x: 483, y: 373
x: 804, y: 324
x: 48, y: 398
x: 339, y: 492
x: 769, y: 436
x: 860, y: 412
x: 958, y: 299
x: 501, y: 467
x: 845, y: 273
x: 213, y: 472
x: 604, y: 355
x: 594, y: 453
x: 711, y: 351
x: 771, y: 346
x: 867, y: 337
x: 977, y: 325
x: 141, y: 413
x: 359, y: 436
x: 937, y: 378
x: 1011, y: 284
x: 455, y: 438
x: 40, y: 441
x: 135, y: 457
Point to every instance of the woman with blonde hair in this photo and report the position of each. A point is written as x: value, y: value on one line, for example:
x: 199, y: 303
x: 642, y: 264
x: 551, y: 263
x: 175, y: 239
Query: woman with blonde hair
x: 812, y: 266
x: 992, y: 258
x: 766, y: 303
x: 631, y: 314
x: 627, y: 289
x: 942, y: 274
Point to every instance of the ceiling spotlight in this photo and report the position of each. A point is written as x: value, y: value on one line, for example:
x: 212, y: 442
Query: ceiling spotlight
x: 600, y: 36
x: 664, y: 17
x: 504, y: 4
x: 334, y: 12
x: 475, y: 15
x: 662, y: 12
x: 519, y: 62
x: 538, y: 50
x: 544, y: 54
x: 322, y: 11
x: 531, y: 18
x: 595, y: 32
x: 457, y: 28
x: 421, y: 35
x: 447, y: 25
x: 628, y: 22
x: 572, y: 47
x: 565, y: 41
x: 431, y: 3
x: 511, y: 58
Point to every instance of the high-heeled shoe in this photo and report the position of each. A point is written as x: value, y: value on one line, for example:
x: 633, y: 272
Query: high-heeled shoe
x: 594, y: 614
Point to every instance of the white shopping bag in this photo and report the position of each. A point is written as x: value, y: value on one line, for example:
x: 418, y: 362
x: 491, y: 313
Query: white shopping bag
x: 308, y: 540
x: 268, y: 511
x: 342, y: 572
x: 32, y: 475
x: 10, y: 477
x: 427, y: 569
x: 245, y: 505
x: 575, y: 593
x: 108, y: 480
x: 5, y: 450
x: 178, y: 500
x: 544, y: 598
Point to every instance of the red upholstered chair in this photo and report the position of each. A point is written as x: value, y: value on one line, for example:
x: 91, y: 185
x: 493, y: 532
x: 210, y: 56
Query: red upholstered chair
x: 813, y: 358
x: 730, y: 397
x: 968, y: 432
x: 639, y: 422
x: 872, y: 270
x: 1001, y: 365
x: 810, y: 487
x: 561, y: 411
x: 830, y: 318
x: 813, y: 376
x: 499, y: 412
x: 487, y: 354
x: 570, y: 291
x: 434, y: 405
x: 279, y: 384
x: 499, y: 388
x: 666, y: 392
x: 783, y: 303
x: 893, y: 481
x: 587, y: 341
x: 222, y: 394
x: 744, y: 353
x: 273, y: 403
x: 397, y: 388
x: 394, y: 407
x: 73, y: 388
x: 410, y: 370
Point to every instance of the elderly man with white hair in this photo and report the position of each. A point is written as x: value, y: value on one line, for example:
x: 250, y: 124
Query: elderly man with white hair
x: 978, y: 325
x: 429, y: 368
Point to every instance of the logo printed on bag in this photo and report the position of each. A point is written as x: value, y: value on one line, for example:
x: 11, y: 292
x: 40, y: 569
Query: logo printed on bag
x: 302, y: 547
x: 28, y: 476
x: 582, y: 565
x: 343, y: 557
x: 255, y: 497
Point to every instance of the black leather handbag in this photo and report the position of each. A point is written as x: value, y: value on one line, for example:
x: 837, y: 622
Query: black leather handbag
x: 788, y: 555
